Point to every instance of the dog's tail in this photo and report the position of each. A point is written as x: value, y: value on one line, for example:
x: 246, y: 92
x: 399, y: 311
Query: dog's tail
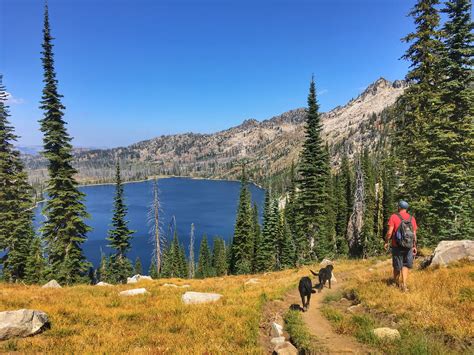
x: 315, y: 274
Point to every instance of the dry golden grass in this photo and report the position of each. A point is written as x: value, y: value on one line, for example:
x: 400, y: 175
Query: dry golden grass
x: 440, y: 301
x: 88, y: 319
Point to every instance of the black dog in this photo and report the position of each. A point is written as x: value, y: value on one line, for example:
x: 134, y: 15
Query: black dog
x: 306, y: 289
x: 325, y: 274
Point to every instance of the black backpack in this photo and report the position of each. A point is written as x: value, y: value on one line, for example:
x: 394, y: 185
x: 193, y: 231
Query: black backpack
x: 405, y: 235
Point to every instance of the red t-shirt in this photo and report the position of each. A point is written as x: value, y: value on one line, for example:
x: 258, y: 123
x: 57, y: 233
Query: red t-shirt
x: 394, y: 222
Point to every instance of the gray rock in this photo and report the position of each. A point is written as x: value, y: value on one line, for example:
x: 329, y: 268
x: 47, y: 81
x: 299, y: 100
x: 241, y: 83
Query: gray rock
x: 325, y: 262
x: 252, y: 281
x: 387, y: 333
x: 52, y: 284
x: 199, y: 297
x: 102, y: 283
x: 277, y: 340
x: 134, y: 292
x: 136, y: 278
x: 277, y: 330
x: 452, y: 250
x: 285, y: 349
x: 22, y: 323
x: 357, y: 309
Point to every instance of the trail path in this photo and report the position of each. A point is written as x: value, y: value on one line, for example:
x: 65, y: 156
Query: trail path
x: 321, y: 328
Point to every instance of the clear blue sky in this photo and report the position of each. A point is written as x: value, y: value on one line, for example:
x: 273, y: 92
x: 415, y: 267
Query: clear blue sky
x: 132, y: 70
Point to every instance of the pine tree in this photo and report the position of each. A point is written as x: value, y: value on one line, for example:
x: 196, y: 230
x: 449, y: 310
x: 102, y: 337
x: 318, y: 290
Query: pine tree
x: 16, y: 215
x: 119, y: 236
x: 138, y: 266
x: 368, y: 238
x: 343, y: 195
x: 204, y: 268
x: 287, y: 249
x: 192, y: 265
x: 257, y: 236
x: 153, y: 269
x: 35, y: 263
x: 243, y: 234
x: 153, y: 219
x: 266, y: 258
x: 450, y: 173
x: 313, y: 170
x: 219, y: 257
x: 64, y: 230
x: 182, y: 263
x: 174, y: 260
x: 417, y: 108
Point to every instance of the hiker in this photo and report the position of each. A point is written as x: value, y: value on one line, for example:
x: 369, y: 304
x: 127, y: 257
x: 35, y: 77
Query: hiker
x: 402, y: 232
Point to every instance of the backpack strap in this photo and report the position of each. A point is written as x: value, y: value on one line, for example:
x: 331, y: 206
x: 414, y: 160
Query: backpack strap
x: 400, y: 216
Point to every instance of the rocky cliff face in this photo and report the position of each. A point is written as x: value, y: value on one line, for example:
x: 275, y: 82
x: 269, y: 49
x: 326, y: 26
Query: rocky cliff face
x: 268, y: 147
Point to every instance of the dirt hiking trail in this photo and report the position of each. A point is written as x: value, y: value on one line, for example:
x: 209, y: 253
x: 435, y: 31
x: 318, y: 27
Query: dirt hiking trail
x: 321, y: 328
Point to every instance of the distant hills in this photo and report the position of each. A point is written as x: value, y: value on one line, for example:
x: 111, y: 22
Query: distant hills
x: 268, y: 147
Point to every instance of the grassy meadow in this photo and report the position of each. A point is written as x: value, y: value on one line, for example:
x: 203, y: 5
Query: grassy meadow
x: 95, y: 319
x: 436, y: 316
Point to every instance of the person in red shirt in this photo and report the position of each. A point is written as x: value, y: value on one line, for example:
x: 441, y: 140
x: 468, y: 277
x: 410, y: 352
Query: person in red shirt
x: 402, y: 258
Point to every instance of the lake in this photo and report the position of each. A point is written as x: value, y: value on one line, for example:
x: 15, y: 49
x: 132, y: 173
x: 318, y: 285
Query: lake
x: 210, y: 204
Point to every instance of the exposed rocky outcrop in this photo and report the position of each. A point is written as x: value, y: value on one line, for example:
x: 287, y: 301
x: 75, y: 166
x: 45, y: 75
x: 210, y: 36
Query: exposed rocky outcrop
x: 22, y: 323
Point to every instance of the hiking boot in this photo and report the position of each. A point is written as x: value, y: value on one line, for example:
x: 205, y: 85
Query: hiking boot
x: 404, y: 288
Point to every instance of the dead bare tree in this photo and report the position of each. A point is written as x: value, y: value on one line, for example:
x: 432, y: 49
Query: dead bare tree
x: 356, y: 220
x: 154, y: 221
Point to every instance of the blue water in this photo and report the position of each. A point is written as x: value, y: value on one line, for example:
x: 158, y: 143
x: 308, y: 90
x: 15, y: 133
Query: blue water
x: 211, y: 205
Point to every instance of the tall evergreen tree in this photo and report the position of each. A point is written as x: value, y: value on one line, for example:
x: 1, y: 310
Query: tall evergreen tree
x: 192, y: 265
x: 219, y: 257
x: 64, y: 230
x: 313, y: 170
x: 174, y: 260
x: 266, y: 258
x: 152, y: 271
x: 417, y: 107
x: 287, y: 247
x: 257, y: 236
x: 16, y: 215
x: 450, y: 210
x: 204, y: 268
x: 242, y: 245
x: 120, y: 235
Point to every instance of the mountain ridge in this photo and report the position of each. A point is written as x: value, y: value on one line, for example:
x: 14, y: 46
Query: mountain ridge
x: 268, y: 147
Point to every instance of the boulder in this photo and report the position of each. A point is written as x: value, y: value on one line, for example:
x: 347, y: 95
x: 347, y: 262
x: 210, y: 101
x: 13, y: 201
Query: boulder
x: 136, y: 278
x: 285, y: 349
x: 357, y: 309
x: 170, y: 285
x: 452, y: 250
x: 102, y: 283
x: 325, y: 262
x: 252, y: 281
x: 277, y: 340
x: 134, y: 292
x: 387, y: 333
x: 52, y: 284
x: 199, y: 297
x: 185, y: 286
x: 22, y: 323
x: 277, y: 330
